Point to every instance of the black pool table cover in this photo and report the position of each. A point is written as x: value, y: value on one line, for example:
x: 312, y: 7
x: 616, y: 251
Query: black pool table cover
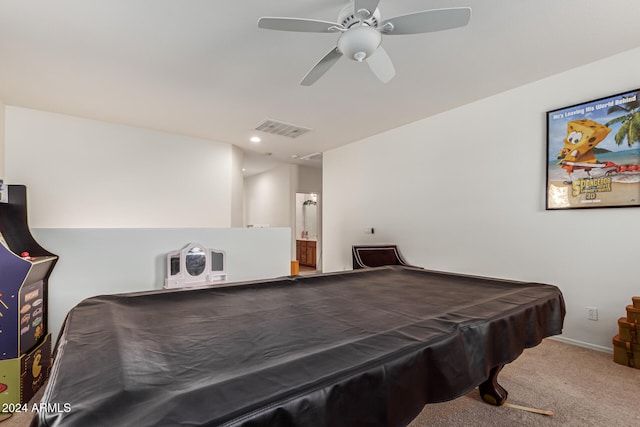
x: 359, y: 348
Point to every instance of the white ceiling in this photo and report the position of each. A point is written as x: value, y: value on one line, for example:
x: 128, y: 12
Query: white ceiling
x: 203, y: 68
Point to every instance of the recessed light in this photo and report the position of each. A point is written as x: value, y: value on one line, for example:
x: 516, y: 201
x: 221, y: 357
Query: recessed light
x: 255, y: 139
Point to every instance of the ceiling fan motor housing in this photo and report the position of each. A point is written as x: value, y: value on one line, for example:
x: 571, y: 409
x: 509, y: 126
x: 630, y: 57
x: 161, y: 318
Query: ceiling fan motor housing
x: 348, y: 17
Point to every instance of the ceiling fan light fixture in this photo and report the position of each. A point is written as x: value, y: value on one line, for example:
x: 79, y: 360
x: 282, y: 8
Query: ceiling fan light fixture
x: 359, y: 43
x: 361, y: 28
x: 360, y: 56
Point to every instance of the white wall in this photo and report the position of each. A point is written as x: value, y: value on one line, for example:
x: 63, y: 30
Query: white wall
x: 269, y: 199
x: 270, y: 196
x: 107, y: 261
x: 464, y: 191
x: 237, y: 187
x: 111, y: 201
x: 2, y: 173
x: 87, y: 173
x: 309, y: 180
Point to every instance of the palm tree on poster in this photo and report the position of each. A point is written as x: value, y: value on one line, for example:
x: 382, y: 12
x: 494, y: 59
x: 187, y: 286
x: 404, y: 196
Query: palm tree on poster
x: 630, y: 128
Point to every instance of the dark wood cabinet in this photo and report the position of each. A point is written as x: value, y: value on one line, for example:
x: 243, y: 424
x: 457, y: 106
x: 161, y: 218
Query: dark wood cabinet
x: 306, y: 252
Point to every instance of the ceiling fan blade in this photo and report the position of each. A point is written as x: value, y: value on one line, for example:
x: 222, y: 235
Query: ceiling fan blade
x: 368, y: 5
x: 321, y: 67
x: 427, y: 21
x: 381, y: 65
x: 297, y: 24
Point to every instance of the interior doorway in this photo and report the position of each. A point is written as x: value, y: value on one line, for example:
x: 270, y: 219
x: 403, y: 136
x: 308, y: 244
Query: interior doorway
x: 307, y: 232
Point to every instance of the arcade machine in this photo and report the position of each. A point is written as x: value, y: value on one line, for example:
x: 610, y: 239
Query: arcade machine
x: 25, y: 341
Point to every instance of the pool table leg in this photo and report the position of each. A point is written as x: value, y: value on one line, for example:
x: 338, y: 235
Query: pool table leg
x: 491, y: 391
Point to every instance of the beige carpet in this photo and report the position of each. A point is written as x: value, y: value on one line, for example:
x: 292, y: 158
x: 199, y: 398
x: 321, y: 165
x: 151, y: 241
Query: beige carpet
x: 583, y: 387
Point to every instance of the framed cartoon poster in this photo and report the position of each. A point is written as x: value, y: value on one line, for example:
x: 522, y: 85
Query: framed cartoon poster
x: 593, y: 153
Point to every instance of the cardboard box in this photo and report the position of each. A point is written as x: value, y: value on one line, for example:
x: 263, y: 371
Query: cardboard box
x: 633, y: 314
x: 626, y: 353
x: 628, y: 331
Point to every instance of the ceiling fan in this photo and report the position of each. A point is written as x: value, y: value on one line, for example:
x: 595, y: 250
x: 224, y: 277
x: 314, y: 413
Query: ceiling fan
x: 361, y: 28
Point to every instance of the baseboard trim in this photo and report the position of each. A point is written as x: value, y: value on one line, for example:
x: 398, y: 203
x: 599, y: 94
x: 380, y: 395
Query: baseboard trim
x: 582, y: 344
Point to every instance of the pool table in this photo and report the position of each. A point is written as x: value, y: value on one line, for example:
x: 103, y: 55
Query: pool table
x: 368, y: 347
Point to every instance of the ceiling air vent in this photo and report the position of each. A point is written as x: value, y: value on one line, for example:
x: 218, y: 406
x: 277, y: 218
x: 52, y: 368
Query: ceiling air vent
x: 281, y: 128
x: 313, y: 156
